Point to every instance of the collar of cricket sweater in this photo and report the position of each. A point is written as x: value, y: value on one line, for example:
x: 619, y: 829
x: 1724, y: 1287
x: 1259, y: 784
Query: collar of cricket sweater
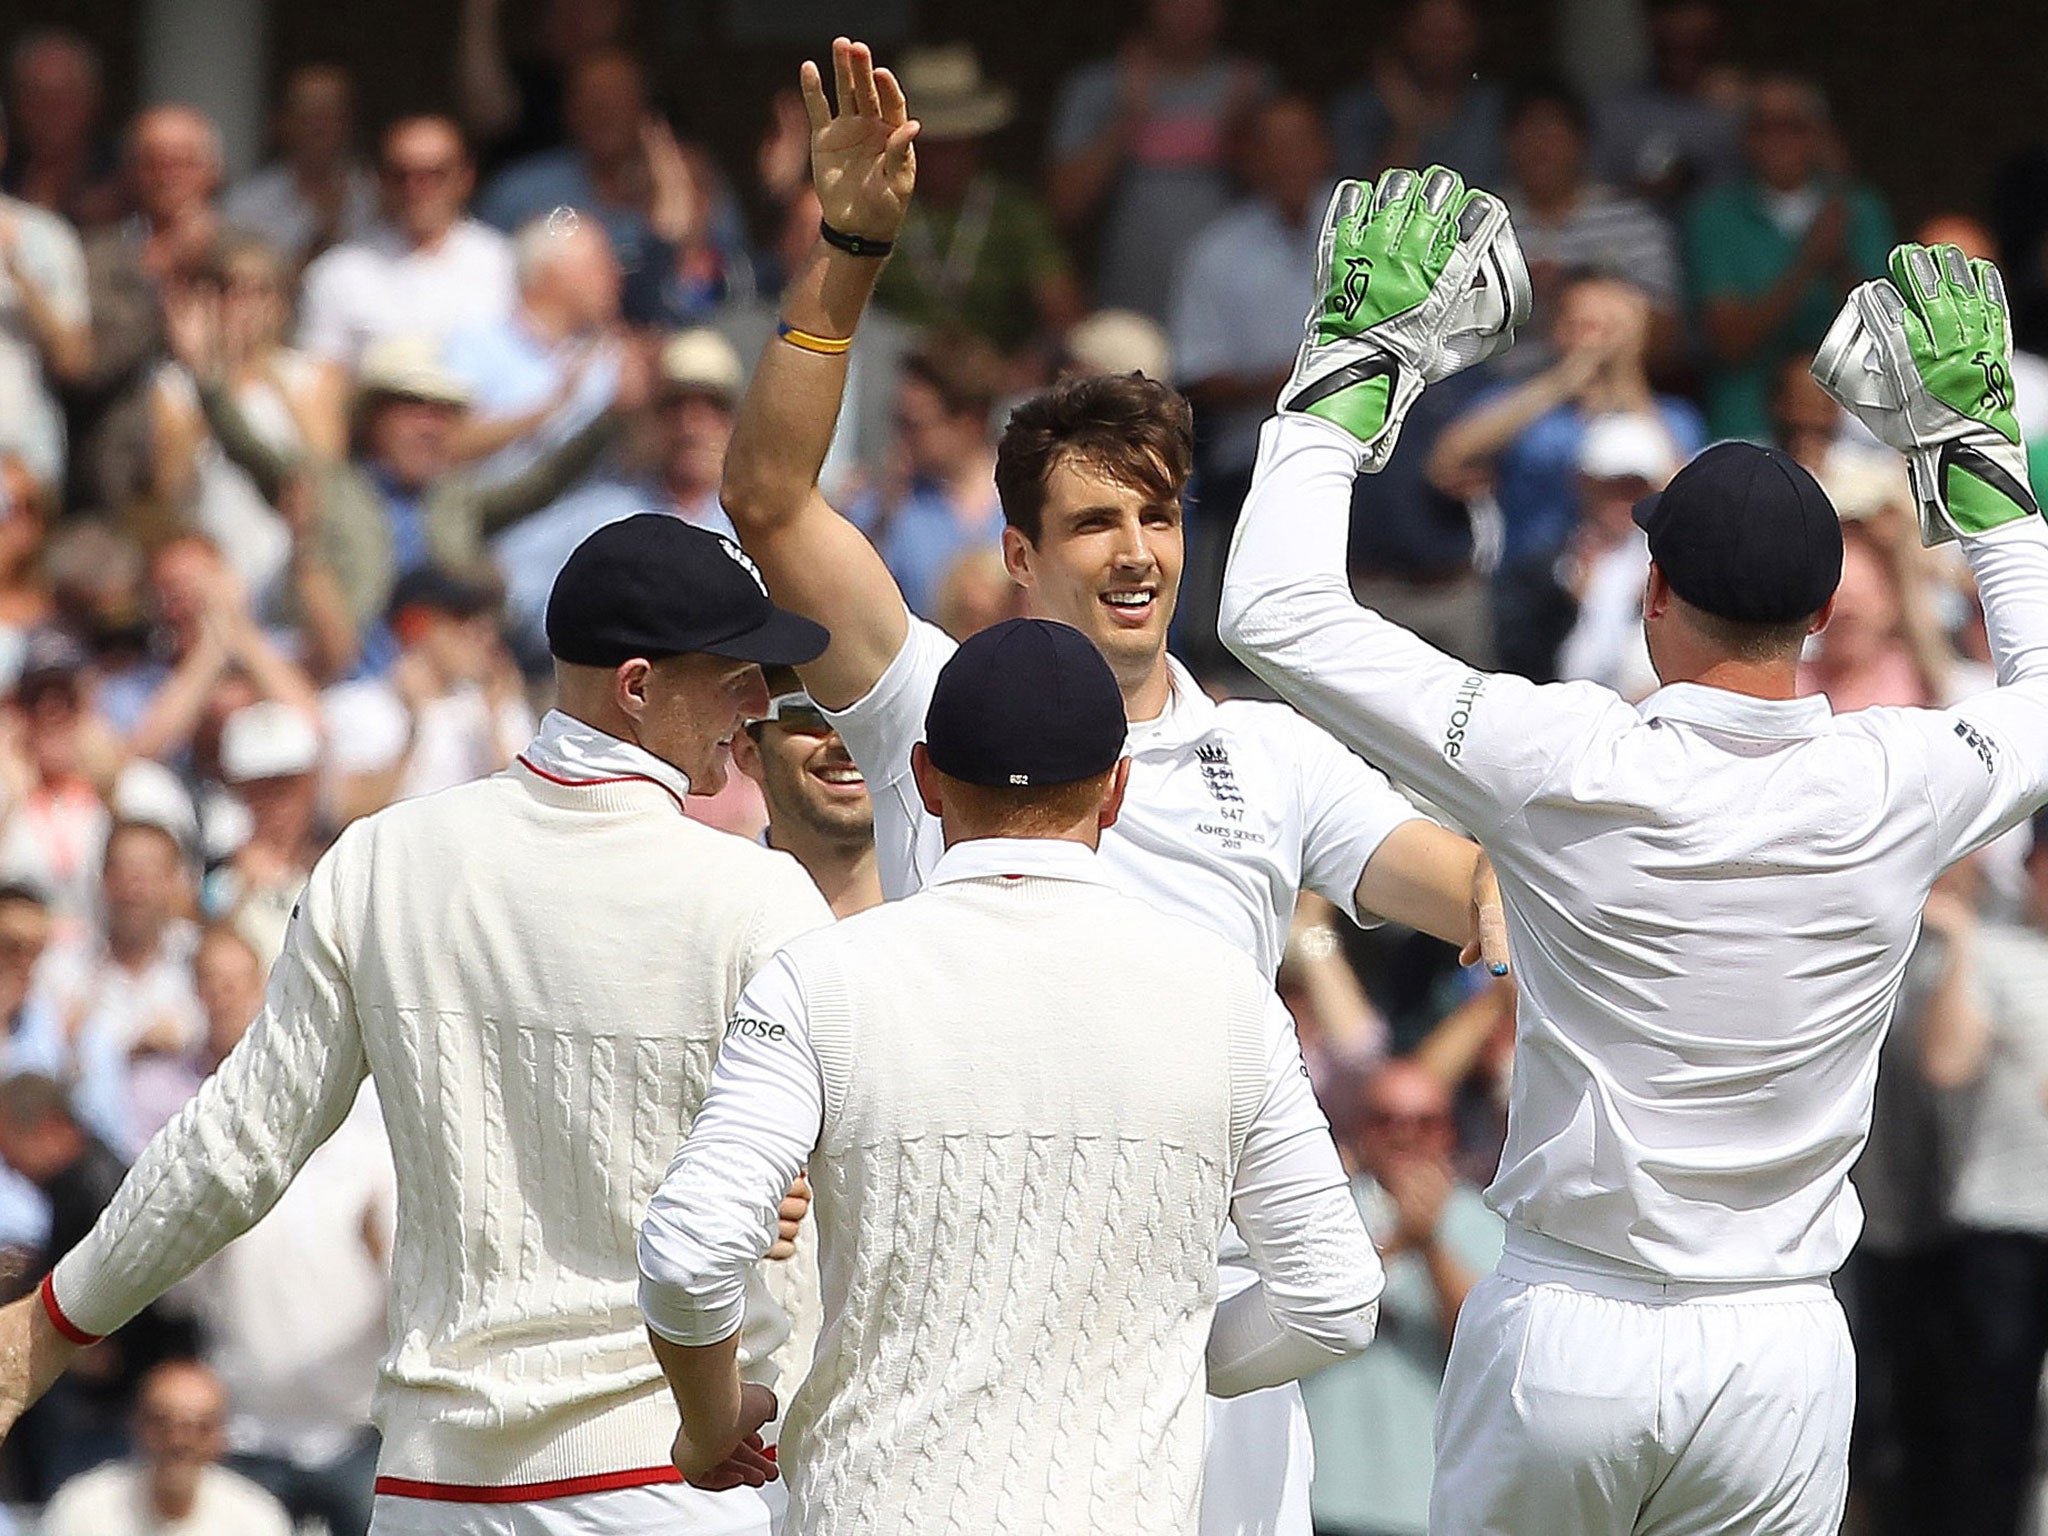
x: 1047, y: 858
x: 569, y: 752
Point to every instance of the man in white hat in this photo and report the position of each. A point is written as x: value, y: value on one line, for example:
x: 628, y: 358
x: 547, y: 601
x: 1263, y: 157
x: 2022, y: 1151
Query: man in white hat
x: 270, y: 757
x: 977, y: 253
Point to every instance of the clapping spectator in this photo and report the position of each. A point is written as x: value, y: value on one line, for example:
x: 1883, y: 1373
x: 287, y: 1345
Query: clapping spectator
x: 317, y: 192
x: 552, y: 364
x: 1883, y: 644
x: 45, y: 332
x: 226, y: 330
x: 696, y: 261
x: 1372, y: 1416
x: 175, y: 1482
x: 1568, y: 224
x: 1622, y: 459
x: 62, y: 161
x: 1521, y: 443
x: 451, y: 709
x: 56, y: 823
x: 1423, y: 104
x: 427, y: 270
x: 1140, y: 144
x: 1681, y: 132
x: 173, y: 165
x: 1770, y: 255
x: 977, y: 252
x: 940, y: 498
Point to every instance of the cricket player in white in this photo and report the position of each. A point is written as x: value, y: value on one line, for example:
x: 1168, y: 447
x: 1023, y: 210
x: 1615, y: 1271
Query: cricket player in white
x: 1021, y: 1177
x: 1711, y: 895
x: 1232, y: 809
x: 535, y: 969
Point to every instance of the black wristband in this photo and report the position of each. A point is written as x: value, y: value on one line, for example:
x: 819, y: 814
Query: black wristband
x: 853, y: 245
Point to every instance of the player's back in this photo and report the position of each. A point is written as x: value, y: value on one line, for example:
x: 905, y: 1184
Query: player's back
x: 541, y: 972
x: 1713, y: 904
x: 1035, y: 1090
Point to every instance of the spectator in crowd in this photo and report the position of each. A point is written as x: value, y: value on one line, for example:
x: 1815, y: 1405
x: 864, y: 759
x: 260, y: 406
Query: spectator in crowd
x: 1568, y: 223
x: 1116, y: 341
x: 818, y: 808
x: 1993, y: 1045
x: 426, y: 270
x: 1681, y: 132
x: 1237, y: 305
x: 62, y: 161
x: 293, y: 1311
x: 227, y: 331
x: 551, y: 365
x: 126, y: 992
x: 451, y: 709
x: 45, y: 330
x: 56, y: 823
x: 1342, y: 1034
x: 1524, y: 441
x: 1898, y: 1288
x: 269, y: 759
x: 680, y: 441
x: 516, y: 106
x: 175, y: 1482
x: 601, y: 172
x: 1423, y: 104
x: 1771, y: 254
x: 1805, y: 420
x: 224, y: 968
x: 1883, y: 645
x: 317, y: 193
x: 31, y: 1040
x: 978, y: 590
x: 695, y: 261
x: 1622, y: 459
x: 942, y: 499
x: 26, y: 505
x: 173, y: 166
x: 1372, y: 1416
x: 1140, y: 147
x: 402, y: 500
x: 207, y: 637
x: 977, y: 252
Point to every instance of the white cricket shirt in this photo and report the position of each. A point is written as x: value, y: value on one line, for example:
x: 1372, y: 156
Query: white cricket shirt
x: 1710, y: 897
x: 1232, y: 808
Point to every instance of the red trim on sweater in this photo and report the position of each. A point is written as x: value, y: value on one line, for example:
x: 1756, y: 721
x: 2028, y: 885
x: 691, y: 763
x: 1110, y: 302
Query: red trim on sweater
x: 526, y: 1493
x: 59, y: 1321
x: 622, y: 778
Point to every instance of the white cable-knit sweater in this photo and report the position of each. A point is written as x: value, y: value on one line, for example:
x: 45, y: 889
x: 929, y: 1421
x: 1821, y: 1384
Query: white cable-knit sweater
x: 536, y: 969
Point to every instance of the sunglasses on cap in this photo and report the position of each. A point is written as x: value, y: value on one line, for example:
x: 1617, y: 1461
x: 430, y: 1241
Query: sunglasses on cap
x: 796, y: 711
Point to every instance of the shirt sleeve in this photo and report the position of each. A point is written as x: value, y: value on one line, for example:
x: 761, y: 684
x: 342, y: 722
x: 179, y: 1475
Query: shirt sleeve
x: 1478, y: 744
x: 1348, y: 808
x: 714, y: 1216
x: 323, y: 325
x: 1317, y: 1298
x: 222, y: 1163
x: 58, y: 263
x: 879, y: 730
x: 1987, y: 758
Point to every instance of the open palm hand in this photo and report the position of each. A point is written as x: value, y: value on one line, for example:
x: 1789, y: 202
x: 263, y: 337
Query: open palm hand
x: 862, y: 163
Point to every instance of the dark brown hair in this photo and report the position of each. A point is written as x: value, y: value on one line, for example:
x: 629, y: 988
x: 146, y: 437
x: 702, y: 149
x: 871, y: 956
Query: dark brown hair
x: 1133, y: 429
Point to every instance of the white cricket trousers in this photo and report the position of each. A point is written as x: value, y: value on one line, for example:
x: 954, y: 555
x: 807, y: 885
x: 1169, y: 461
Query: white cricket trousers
x: 1255, y: 1477
x: 1579, y: 1404
x: 661, y: 1509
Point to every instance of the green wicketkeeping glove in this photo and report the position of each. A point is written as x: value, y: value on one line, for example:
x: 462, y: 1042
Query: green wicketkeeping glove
x: 1419, y: 279
x: 1925, y: 361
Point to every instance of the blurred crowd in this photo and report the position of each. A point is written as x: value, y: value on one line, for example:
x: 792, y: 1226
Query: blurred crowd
x: 288, y: 465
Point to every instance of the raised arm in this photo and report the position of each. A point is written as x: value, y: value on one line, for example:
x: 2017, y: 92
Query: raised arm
x: 816, y: 562
x: 1420, y: 279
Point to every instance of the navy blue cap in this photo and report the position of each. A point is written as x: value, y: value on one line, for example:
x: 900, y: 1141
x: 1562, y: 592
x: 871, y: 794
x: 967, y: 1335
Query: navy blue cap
x: 651, y: 585
x: 1025, y: 703
x: 1745, y: 533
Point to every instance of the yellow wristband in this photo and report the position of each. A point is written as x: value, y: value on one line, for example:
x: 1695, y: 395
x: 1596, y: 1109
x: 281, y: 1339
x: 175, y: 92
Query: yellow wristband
x: 804, y: 341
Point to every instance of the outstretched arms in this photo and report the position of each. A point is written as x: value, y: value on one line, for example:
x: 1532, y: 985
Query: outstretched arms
x: 816, y: 562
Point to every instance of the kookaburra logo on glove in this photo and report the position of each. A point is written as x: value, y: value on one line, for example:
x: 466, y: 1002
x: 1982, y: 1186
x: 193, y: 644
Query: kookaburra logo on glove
x: 1419, y: 278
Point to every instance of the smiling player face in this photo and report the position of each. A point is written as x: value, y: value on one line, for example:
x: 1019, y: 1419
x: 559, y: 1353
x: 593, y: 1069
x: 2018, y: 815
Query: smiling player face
x: 1107, y: 561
